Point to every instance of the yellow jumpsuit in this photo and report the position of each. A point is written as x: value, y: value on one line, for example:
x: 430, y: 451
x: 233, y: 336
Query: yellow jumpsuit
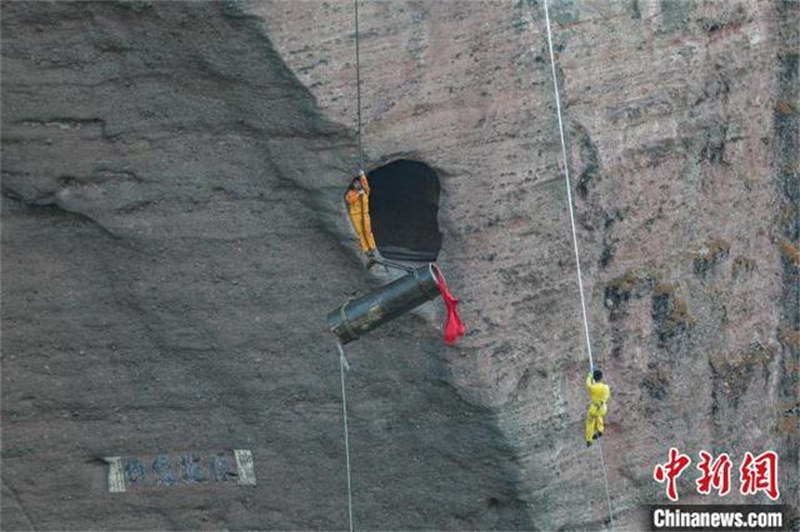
x: 358, y: 207
x: 600, y: 393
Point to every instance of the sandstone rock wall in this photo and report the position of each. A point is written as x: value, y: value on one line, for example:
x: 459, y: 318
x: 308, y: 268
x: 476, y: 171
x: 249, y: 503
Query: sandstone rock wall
x: 173, y: 236
x: 681, y: 119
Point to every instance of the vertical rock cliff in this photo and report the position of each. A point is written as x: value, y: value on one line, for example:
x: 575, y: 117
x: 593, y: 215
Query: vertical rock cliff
x: 174, y: 234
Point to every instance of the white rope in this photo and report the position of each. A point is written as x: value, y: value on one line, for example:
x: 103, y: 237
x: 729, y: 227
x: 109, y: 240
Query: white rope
x: 575, y: 237
x: 569, y: 188
x: 343, y: 367
x: 605, y: 484
x: 358, y: 90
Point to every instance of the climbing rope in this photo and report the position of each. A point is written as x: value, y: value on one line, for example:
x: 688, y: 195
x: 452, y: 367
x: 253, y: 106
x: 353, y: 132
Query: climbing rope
x: 343, y: 368
x: 574, y: 237
x: 392, y: 264
x: 569, y: 189
x: 358, y: 92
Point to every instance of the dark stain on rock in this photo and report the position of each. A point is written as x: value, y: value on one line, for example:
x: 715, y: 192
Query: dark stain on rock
x: 743, y: 265
x: 656, y: 381
x: 590, y: 159
x: 671, y: 315
x: 635, y: 283
x: 709, y: 256
x: 636, y: 12
x: 733, y: 373
x: 607, y: 253
x: 713, y: 142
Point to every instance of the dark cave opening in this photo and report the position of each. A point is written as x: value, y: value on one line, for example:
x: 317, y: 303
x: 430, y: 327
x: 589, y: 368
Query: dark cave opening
x: 404, y: 208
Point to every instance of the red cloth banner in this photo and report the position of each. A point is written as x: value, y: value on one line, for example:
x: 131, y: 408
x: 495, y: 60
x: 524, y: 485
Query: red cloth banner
x: 454, y: 328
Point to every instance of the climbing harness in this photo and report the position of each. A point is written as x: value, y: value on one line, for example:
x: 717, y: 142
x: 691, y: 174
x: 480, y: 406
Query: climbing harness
x: 574, y: 237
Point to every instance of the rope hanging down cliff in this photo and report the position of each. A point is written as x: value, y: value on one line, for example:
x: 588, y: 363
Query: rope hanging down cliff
x: 417, y: 286
x: 343, y: 365
x: 358, y: 93
x: 574, y: 236
x: 343, y: 368
x: 367, y: 239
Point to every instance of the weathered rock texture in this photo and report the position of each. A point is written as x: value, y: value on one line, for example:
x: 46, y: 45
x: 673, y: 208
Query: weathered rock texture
x: 173, y: 237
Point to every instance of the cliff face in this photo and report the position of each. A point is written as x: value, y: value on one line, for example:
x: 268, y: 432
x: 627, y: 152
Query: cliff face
x: 172, y: 242
x: 173, y: 237
x: 681, y: 121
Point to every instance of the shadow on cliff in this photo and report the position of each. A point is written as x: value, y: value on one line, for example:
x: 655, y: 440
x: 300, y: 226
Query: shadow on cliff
x: 174, y: 236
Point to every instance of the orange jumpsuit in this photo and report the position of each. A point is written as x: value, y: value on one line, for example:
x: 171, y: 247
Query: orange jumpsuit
x: 358, y: 208
x: 600, y: 393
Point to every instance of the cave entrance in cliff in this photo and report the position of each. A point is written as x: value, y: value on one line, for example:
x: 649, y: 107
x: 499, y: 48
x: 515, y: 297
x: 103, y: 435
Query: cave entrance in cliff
x: 404, y: 208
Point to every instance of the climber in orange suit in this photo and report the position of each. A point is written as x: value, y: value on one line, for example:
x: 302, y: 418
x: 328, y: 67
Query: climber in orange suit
x: 600, y: 393
x: 357, y: 197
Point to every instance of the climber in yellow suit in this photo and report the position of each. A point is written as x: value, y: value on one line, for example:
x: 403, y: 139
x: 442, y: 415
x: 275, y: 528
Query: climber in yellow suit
x: 357, y: 197
x: 600, y: 393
